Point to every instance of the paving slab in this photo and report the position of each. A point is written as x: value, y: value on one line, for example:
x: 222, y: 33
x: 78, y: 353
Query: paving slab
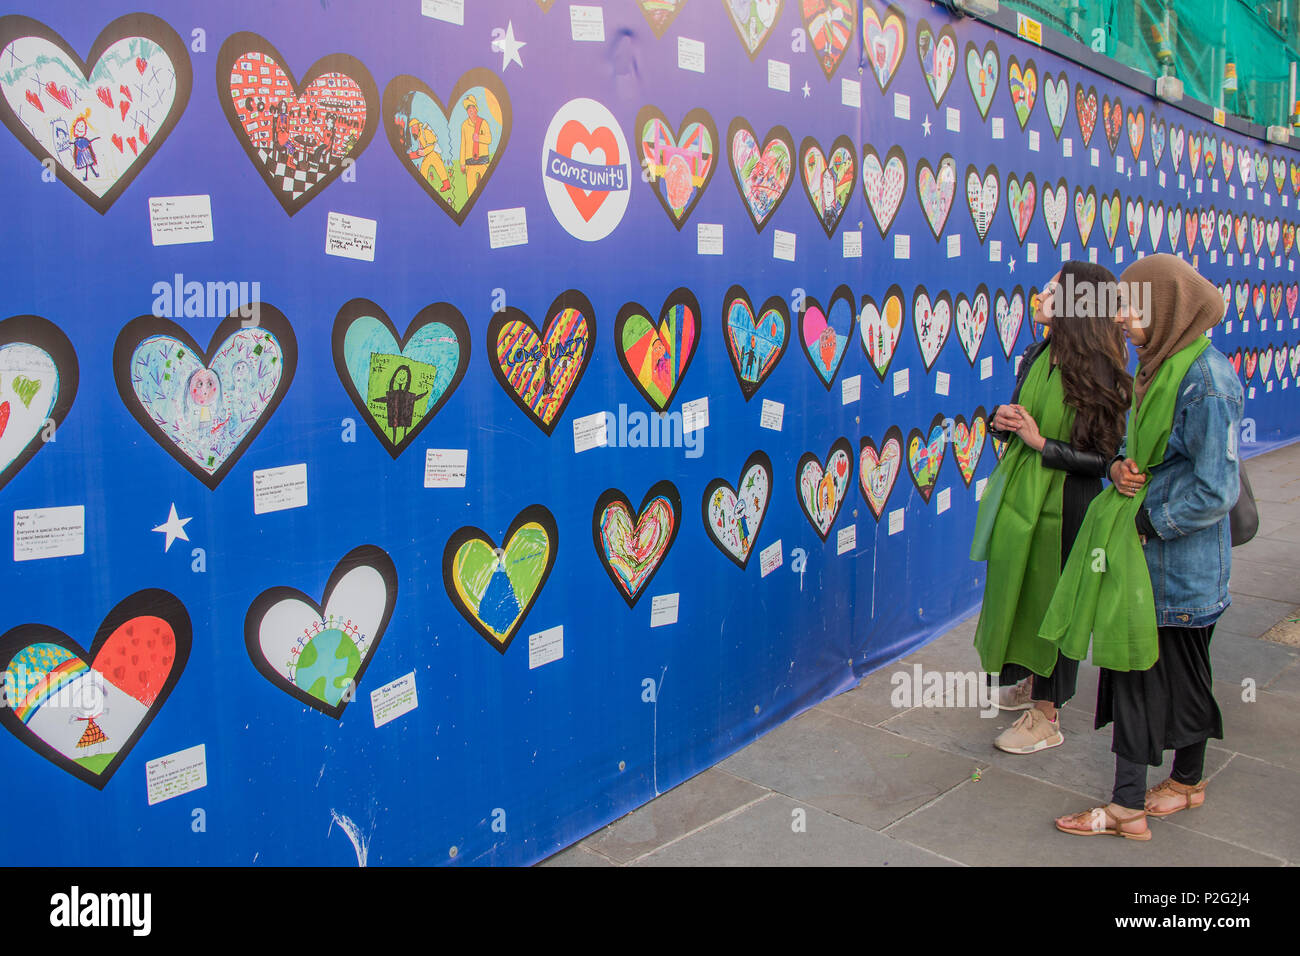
x: 1263, y: 549
x: 870, y: 702
x: 1250, y: 803
x: 863, y: 774
x: 694, y: 804
x: 1288, y: 531
x: 1234, y: 657
x: 1276, y: 581
x: 1286, y: 683
x: 1006, y: 819
x: 1266, y: 728
x: 765, y: 835
x: 576, y: 855
x: 1251, y: 616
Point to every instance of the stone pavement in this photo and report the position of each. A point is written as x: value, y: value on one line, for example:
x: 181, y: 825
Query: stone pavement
x: 885, y: 786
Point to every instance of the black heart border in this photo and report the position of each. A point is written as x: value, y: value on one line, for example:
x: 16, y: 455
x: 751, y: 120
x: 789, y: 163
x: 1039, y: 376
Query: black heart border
x: 1106, y: 103
x: 936, y: 37
x: 807, y: 458
x: 775, y: 133
x: 893, y: 10
x: 1042, y: 193
x: 981, y: 55
x: 1129, y: 116
x: 698, y: 115
x: 893, y: 151
x: 993, y: 170
x: 658, y: 30
x: 1009, y: 347
x: 1080, y: 193
x: 744, y: 44
x: 679, y: 296
x: 842, y: 291
x: 829, y: 64
x: 893, y: 290
x: 665, y: 489
x: 1024, y: 69
x: 45, y: 335
x: 759, y: 457
x: 979, y: 413
x: 1085, y: 135
x: 841, y: 142
x: 980, y: 289
x: 923, y: 163
x: 138, y: 329
x: 1064, y: 81
x: 896, y: 433
x: 153, y: 602
x: 1033, y: 207
x: 943, y: 295
x: 926, y: 490
x: 773, y: 303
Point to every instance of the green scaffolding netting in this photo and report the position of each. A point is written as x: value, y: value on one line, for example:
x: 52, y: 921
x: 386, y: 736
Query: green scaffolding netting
x: 1195, y: 40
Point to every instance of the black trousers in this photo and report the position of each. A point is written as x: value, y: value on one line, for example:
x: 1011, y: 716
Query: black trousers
x: 1131, y: 778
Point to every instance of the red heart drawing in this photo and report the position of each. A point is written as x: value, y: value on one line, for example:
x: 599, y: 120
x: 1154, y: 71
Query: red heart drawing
x: 573, y: 134
x: 124, y: 92
x: 123, y: 106
x: 140, y: 64
x: 60, y: 93
x: 131, y: 142
x: 143, y: 136
x: 35, y: 101
x: 1235, y: 361
x: 117, y: 141
x: 1086, y: 111
x: 4, y: 417
x: 105, y: 96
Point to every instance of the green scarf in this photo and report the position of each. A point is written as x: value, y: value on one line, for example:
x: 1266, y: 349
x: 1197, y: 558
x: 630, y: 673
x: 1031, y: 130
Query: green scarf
x: 1018, y: 531
x: 1105, y: 590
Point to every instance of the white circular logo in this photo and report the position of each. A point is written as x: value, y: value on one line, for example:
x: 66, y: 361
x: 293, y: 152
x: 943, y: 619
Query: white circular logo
x: 586, y: 169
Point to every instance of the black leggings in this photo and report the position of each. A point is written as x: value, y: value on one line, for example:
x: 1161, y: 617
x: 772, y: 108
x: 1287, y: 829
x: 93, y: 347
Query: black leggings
x: 1131, y: 778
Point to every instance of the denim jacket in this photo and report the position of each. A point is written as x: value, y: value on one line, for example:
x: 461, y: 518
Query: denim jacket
x: 1190, y: 494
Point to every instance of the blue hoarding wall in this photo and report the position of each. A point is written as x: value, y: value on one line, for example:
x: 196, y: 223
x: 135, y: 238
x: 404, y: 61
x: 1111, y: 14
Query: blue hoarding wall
x: 432, y: 430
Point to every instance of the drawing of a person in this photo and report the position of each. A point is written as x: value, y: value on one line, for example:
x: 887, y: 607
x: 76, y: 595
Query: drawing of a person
x: 83, y: 153
x: 202, y: 393
x: 829, y: 206
x: 749, y: 355
x: 91, y: 704
x: 661, y: 367
x: 826, y: 346
x: 475, y: 138
x: 399, y: 401
x: 742, y: 524
x: 426, y: 148
x: 281, y: 147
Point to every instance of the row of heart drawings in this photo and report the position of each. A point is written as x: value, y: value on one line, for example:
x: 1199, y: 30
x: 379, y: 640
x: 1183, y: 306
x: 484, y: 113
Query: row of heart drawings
x: 1269, y: 360
x: 84, y: 709
x: 205, y: 407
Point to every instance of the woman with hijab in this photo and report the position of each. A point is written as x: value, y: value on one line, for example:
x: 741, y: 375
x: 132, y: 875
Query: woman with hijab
x: 1065, y: 421
x: 1150, y: 575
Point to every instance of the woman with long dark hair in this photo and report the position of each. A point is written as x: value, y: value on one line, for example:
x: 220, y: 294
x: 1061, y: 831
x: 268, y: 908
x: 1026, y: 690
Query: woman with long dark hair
x: 1064, y: 423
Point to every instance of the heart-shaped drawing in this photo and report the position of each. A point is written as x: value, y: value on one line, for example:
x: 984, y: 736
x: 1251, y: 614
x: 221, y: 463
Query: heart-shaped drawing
x: 660, y: 14
x: 1294, y: 170
x: 764, y: 175
x: 318, y: 653
x: 1022, y: 199
x: 84, y: 710
x: 1056, y: 99
x: 1292, y: 294
x: 1207, y: 226
x: 938, y: 56
x: 1229, y: 161
x: 999, y: 447
x: 828, y: 184
x: 1174, y: 226
x: 38, y: 382
x: 733, y: 516
x: 1238, y: 230
x: 1133, y: 217
x: 101, y: 119
x: 1257, y: 299
x: 205, y: 408
x: 884, y: 184
x: 1256, y: 233
x: 679, y: 164
x: 1273, y: 232
x: 1235, y: 361
x: 1155, y: 224
x: 1261, y: 168
x: 1085, y: 212
x: 494, y: 587
x: 881, y: 326
x: 1225, y: 224
x: 1137, y: 126
x: 1279, y: 361
x: 1266, y: 363
x: 656, y: 357
x: 931, y: 322
x: 823, y: 488
x: 1194, y: 152
x: 878, y: 468
x: 1177, y: 143
x: 1022, y: 81
x: 968, y: 442
x: 1159, y: 134
x: 1110, y: 216
x: 451, y: 153
x: 1275, y: 299
x: 1009, y: 313
x: 982, y: 74
x: 755, y: 343
x: 883, y: 41
x: 831, y: 25
x: 972, y: 321
x: 1112, y: 118
x: 1288, y: 237
x: 1241, y: 299
x: 1085, y: 111
x: 753, y: 21
x: 1279, y: 174
x: 982, y: 198
x: 399, y: 384
x: 632, y: 545
x: 935, y: 190
x: 299, y: 136
x: 1056, y: 202
x: 824, y: 333
x: 925, y: 451
x: 1209, y: 153
x: 1293, y: 360
x: 540, y: 370
x: 1252, y: 360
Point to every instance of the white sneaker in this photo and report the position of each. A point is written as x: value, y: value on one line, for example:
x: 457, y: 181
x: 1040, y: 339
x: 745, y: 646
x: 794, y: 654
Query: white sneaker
x: 1031, y: 733
x: 1017, y: 695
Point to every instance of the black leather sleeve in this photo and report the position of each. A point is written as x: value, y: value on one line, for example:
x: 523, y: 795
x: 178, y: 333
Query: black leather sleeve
x: 1065, y: 457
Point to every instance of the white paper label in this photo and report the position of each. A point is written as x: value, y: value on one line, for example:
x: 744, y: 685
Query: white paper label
x: 1016, y: 364
x: 394, y: 699
x: 999, y: 127
x: 690, y: 55
x: 846, y: 539
x: 1268, y: 201
x: 1067, y: 147
x: 1031, y: 252
x: 979, y: 487
x: 176, y: 774
x: 1214, y: 256
x: 587, y: 24
x: 954, y: 245
x: 1228, y: 259
x: 1161, y: 179
x: 1119, y: 164
x: 1227, y: 327
x: 546, y: 646
x: 851, y: 94
x: 445, y: 467
x: 1094, y: 157
x: 1268, y: 387
x: 852, y: 244
x: 279, y: 489
x: 850, y: 389
x: 1119, y: 254
x: 986, y: 367
x: 1245, y: 326
x: 663, y: 609
x: 1092, y: 255
x: 902, y: 106
x: 178, y: 219
x: 896, y: 521
x: 1251, y: 392
x: 901, y: 381
x: 708, y: 238
x: 769, y: 559
x: 1142, y: 167
x: 1232, y: 192
x: 1065, y: 252
x: 944, y: 500
x: 1199, y: 185
x: 783, y: 245
x: 695, y: 415
x: 773, y: 415
x: 902, y: 246
x: 449, y: 11
x: 589, y: 431
x: 1214, y: 186
x: 954, y: 120
x: 778, y: 76
x: 995, y: 250
x: 507, y: 227
x: 49, y: 533
x: 352, y: 237
x: 1033, y: 140
x: 1182, y: 180
x: 941, y: 383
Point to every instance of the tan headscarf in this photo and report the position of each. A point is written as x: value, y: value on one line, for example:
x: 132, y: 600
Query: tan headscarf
x: 1178, y: 303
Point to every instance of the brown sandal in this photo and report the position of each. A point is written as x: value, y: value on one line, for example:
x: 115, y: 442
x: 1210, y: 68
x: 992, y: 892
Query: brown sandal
x: 1103, y: 820
x: 1189, y: 796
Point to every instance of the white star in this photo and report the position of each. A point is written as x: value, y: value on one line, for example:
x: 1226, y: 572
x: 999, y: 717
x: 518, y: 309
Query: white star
x: 1011, y: 263
x: 926, y: 124
x: 509, y: 47
x: 1130, y: 172
x: 807, y: 91
x: 173, y: 527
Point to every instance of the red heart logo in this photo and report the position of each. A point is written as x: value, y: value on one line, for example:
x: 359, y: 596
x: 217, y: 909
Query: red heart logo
x: 574, y: 134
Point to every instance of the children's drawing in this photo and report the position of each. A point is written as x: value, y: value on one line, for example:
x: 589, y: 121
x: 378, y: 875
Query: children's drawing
x: 38, y: 381
x: 828, y: 183
x: 654, y: 357
x: 753, y: 21
x: 825, y: 333
x: 632, y: 545
x: 823, y: 488
x: 763, y: 174
x: 733, y: 516
x: 755, y: 343
x: 878, y: 468
x: 678, y: 165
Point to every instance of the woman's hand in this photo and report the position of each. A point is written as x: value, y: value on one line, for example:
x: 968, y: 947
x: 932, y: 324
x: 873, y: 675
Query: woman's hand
x: 1006, y: 418
x: 1028, y: 430
x: 1127, y: 477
